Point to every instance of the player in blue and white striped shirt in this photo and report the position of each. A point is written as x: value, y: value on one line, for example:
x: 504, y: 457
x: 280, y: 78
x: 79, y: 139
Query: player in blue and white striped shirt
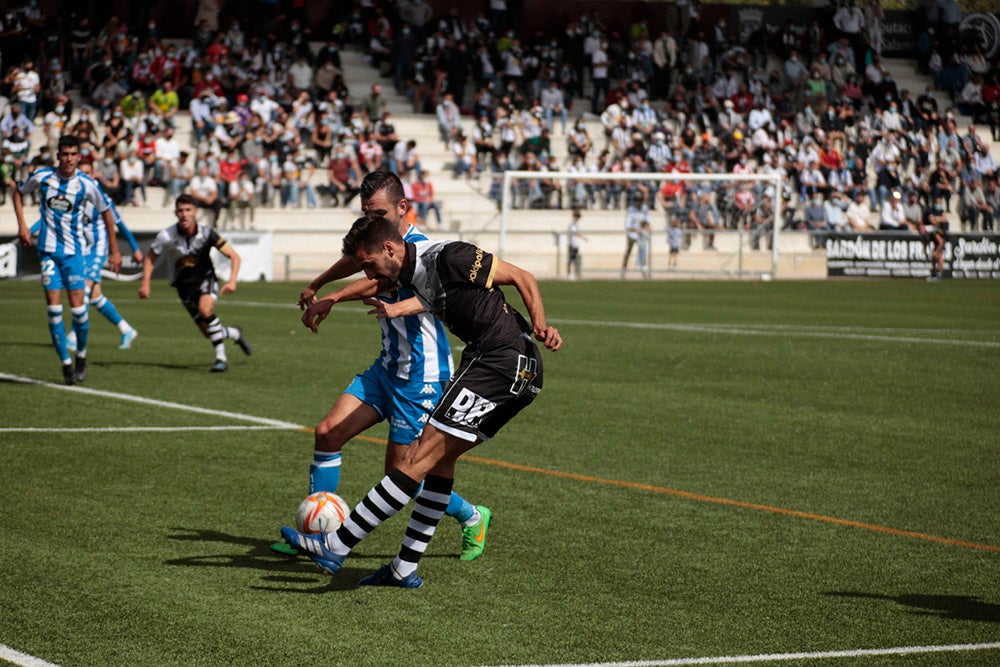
x: 64, y: 194
x: 402, y: 386
x: 97, y: 255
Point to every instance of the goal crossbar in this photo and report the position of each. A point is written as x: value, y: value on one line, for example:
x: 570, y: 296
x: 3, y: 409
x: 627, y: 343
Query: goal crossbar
x: 657, y: 177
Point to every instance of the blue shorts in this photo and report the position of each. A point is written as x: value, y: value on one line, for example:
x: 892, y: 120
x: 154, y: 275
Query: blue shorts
x: 406, y: 404
x: 59, y: 271
x: 94, y: 264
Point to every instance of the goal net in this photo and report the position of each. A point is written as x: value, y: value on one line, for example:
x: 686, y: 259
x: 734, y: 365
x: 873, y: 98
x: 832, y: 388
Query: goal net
x: 637, y: 224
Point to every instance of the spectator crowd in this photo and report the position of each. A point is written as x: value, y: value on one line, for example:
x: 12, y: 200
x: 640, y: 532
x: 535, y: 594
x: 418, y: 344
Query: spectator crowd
x: 272, y: 123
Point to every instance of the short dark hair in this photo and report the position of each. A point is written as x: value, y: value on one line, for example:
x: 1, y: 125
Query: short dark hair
x: 185, y: 199
x: 381, y: 180
x: 368, y: 233
x: 68, y: 141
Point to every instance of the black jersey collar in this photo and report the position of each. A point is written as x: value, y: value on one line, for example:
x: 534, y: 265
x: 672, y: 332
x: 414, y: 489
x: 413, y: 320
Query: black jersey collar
x: 409, y: 264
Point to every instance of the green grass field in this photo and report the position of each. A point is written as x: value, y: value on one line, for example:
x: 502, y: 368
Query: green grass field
x: 713, y: 470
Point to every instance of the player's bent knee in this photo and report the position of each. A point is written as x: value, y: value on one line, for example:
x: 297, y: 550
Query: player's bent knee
x: 330, y: 437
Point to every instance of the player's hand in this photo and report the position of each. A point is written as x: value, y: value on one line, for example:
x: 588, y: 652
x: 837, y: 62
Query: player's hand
x: 549, y: 337
x: 306, y: 298
x: 228, y: 288
x: 25, y: 236
x: 144, y: 291
x: 137, y: 257
x: 380, y: 308
x: 316, y: 313
x: 115, y: 261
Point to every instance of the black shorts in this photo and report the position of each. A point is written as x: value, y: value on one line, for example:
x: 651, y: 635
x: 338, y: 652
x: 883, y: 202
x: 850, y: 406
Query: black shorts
x: 488, y: 390
x: 190, y: 292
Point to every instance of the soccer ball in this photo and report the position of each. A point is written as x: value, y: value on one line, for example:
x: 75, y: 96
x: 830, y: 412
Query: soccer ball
x: 321, y: 512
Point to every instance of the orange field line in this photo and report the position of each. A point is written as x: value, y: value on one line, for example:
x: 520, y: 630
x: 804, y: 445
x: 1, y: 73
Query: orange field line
x: 720, y: 501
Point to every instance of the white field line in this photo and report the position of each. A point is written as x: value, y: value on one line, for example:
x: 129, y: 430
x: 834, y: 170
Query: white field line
x: 886, y: 334
x: 274, y: 423
x: 140, y: 429
x: 743, y: 330
x: 778, y: 657
x: 23, y: 659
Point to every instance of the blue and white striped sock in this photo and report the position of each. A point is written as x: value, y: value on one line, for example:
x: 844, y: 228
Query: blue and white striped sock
x: 324, y: 472
x: 58, y: 332
x: 81, y: 326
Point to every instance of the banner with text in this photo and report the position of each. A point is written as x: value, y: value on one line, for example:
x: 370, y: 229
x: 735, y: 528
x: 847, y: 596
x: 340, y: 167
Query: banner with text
x: 902, y: 255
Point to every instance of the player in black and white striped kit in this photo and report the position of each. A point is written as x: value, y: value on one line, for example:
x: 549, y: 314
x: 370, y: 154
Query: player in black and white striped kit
x: 188, y: 246
x: 499, y: 375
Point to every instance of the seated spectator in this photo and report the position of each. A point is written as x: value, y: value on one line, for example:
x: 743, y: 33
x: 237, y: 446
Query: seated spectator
x: 816, y: 219
x: 370, y: 153
x: 449, y: 119
x: 205, y: 190
x: 892, y: 217
x: 464, y: 154
x: 165, y: 100
x: 133, y: 172
x: 242, y: 194
x: 423, y: 199
x: 857, y: 214
x: 343, y: 174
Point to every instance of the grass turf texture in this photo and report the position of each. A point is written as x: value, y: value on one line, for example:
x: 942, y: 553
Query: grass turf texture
x: 865, y: 401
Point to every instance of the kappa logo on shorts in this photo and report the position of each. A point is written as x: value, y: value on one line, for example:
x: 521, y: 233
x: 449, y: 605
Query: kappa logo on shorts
x: 469, y: 408
x: 428, y: 389
x: 428, y: 404
x: 526, y: 371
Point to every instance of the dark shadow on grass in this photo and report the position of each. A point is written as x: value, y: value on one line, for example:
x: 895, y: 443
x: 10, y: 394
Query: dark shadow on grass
x: 106, y: 363
x: 292, y: 574
x: 953, y: 607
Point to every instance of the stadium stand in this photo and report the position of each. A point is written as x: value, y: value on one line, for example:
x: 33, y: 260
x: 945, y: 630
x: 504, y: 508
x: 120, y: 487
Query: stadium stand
x: 238, y: 108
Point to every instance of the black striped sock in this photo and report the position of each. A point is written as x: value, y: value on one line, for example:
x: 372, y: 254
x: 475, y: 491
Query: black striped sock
x: 427, y: 512
x: 216, y: 332
x: 382, y: 502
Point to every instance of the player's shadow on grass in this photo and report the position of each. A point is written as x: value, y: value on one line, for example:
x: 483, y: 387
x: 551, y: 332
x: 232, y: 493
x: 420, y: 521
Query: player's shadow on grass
x: 200, y: 366
x: 293, y: 574
x: 954, y: 607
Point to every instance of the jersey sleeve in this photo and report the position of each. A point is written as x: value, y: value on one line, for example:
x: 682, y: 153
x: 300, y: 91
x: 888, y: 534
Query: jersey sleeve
x: 100, y: 200
x: 32, y: 182
x: 159, y: 243
x: 464, y: 262
x: 215, y: 240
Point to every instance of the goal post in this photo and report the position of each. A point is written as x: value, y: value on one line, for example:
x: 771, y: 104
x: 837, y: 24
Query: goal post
x: 520, y: 189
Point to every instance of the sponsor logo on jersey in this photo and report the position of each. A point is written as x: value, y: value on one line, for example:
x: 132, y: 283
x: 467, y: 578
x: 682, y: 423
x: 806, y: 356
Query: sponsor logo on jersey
x: 478, y: 264
x: 469, y: 408
x: 60, y: 204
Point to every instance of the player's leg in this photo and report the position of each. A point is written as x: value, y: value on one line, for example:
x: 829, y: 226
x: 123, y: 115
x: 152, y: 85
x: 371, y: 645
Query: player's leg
x: 215, y: 331
x: 81, y: 327
x: 348, y: 417
x: 488, y: 391
x: 407, y: 410
x: 105, y: 307
x: 57, y: 330
x: 436, y: 452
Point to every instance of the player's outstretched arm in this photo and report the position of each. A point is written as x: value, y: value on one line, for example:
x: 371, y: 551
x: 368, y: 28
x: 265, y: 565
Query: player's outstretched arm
x: 383, y: 310
x: 343, y: 267
x: 317, y: 311
x: 509, y: 274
